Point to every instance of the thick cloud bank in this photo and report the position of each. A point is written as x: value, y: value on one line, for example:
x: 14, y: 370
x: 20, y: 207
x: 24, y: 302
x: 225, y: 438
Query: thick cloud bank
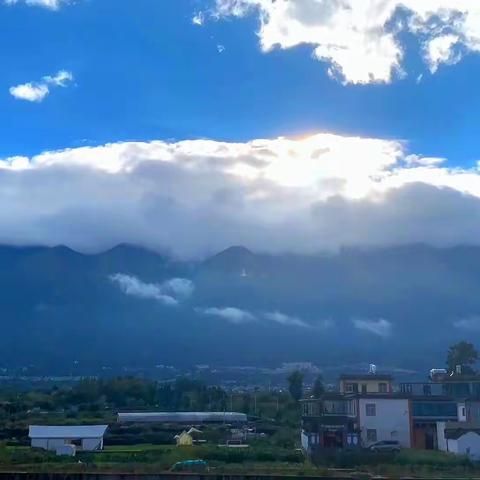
x: 197, y: 197
x: 361, y: 40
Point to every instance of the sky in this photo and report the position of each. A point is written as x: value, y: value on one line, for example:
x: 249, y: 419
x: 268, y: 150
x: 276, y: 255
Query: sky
x: 283, y: 125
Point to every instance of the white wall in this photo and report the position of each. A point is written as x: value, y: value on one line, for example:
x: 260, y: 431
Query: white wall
x: 309, y: 440
x: 89, y: 444
x: 468, y: 444
x: 39, y: 443
x: 441, y: 440
x: 391, y: 421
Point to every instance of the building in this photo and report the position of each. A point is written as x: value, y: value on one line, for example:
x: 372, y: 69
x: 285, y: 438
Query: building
x: 184, y: 439
x: 384, y: 418
x: 427, y: 411
x: 461, y: 438
x: 451, y: 385
x: 330, y: 422
x: 185, y: 418
x: 366, y: 384
x: 84, y: 437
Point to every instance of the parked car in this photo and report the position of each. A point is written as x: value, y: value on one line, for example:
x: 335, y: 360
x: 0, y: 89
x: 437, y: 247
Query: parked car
x: 385, y: 446
x: 190, y: 466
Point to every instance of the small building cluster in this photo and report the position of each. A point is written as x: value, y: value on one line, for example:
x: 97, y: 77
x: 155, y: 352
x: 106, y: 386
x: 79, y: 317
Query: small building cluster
x: 371, y: 410
x: 67, y: 440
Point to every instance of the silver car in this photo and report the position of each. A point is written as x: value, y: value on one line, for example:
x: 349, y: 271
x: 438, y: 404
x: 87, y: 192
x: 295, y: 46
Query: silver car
x: 385, y: 446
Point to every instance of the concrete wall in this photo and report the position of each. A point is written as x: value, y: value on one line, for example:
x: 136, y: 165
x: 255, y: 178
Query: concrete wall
x: 468, y: 444
x: 441, y: 440
x: 372, y: 385
x: 89, y: 444
x: 48, y: 443
x: 309, y: 440
x: 391, y: 420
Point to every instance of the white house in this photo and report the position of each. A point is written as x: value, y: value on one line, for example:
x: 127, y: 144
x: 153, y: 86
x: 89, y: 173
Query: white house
x: 384, y: 418
x: 460, y: 438
x: 83, y: 437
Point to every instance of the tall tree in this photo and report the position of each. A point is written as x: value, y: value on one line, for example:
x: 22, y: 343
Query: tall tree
x: 464, y: 354
x: 318, y: 387
x: 295, y: 384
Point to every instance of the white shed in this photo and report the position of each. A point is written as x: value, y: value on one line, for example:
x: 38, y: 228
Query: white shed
x: 84, y: 437
x: 460, y: 438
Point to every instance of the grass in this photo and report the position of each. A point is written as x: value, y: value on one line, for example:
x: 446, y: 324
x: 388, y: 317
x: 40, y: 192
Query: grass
x: 258, y: 459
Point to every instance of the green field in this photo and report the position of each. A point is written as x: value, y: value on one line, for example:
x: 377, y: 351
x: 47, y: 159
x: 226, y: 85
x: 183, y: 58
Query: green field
x: 258, y: 459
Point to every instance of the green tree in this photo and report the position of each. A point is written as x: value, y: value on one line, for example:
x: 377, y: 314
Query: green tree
x: 464, y: 354
x: 295, y: 384
x: 318, y: 387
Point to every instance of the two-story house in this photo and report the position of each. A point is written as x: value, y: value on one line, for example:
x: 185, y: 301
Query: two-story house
x: 366, y: 384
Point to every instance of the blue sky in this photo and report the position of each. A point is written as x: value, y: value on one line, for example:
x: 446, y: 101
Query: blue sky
x: 192, y: 125
x: 144, y: 71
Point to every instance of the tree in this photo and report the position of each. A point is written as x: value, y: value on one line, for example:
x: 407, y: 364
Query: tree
x: 318, y: 387
x: 295, y: 384
x: 464, y: 354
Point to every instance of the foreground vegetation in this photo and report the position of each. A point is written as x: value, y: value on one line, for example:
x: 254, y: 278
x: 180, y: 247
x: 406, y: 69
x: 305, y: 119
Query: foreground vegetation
x: 260, y: 458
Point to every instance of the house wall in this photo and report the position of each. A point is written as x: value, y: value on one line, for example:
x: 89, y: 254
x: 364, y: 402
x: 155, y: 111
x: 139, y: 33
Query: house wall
x: 469, y: 444
x: 391, y: 420
x: 48, y: 443
x: 473, y: 411
x: 441, y: 440
x: 52, y: 444
x: 371, y: 384
x: 89, y: 444
x: 309, y: 440
x: 462, y: 412
x: 39, y: 443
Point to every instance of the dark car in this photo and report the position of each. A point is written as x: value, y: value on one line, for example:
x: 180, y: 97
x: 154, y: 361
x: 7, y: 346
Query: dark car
x: 385, y: 446
x: 190, y: 466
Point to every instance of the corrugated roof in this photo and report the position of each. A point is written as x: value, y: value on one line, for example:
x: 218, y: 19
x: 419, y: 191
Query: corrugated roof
x: 182, y: 417
x: 366, y: 376
x: 74, y: 431
x: 455, y: 430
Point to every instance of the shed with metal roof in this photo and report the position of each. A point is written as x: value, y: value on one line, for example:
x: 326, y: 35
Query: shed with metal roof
x: 52, y: 437
x: 189, y: 418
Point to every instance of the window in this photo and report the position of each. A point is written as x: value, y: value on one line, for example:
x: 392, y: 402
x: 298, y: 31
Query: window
x: 382, y: 387
x: 406, y: 388
x: 370, y: 409
x: 427, y: 390
x: 371, y: 435
x: 364, y: 388
x: 351, y: 387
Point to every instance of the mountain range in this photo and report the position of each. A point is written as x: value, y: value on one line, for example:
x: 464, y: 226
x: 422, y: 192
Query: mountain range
x: 400, y: 306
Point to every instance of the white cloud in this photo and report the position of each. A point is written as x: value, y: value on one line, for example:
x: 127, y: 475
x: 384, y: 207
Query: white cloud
x: 380, y: 327
x: 38, y: 91
x: 61, y: 79
x: 30, y: 92
x: 360, y: 39
x: 168, y: 293
x: 198, y: 19
x: 51, y: 4
x: 301, y: 195
x: 441, y: 50
x: 284, y: 319
x: 471, y: 323
x: 180, y: 288
x: 230, y: 314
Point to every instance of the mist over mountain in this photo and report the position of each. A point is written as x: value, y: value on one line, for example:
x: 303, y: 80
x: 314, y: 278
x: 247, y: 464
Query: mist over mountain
x: 397, y: 306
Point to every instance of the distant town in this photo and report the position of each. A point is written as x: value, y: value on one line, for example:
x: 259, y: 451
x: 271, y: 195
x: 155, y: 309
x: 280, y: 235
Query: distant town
x: 296, y: 423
